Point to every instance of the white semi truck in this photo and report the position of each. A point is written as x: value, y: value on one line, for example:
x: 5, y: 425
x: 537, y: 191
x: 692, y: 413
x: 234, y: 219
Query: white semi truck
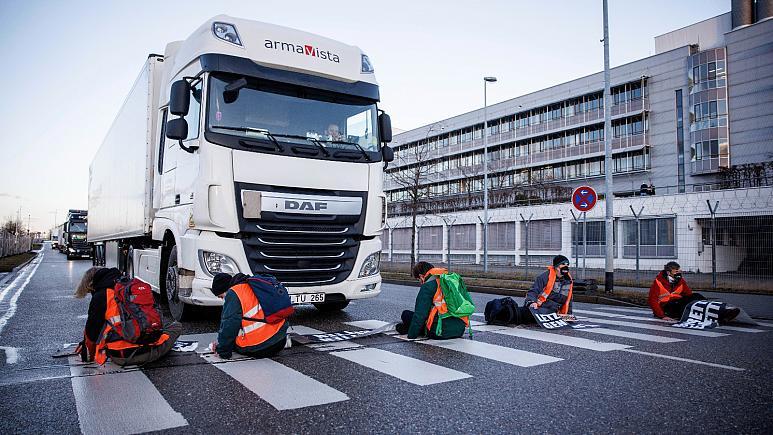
x: 251, y: 148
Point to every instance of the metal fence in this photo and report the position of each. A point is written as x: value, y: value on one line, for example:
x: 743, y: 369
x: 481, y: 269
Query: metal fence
x: 721, y: 239
x: 12, y: 244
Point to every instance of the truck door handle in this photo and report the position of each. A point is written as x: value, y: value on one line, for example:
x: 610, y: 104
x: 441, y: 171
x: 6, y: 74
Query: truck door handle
x: 177, y: 199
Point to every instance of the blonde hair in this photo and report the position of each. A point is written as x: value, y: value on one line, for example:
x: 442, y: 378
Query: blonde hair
x: 86, y: 286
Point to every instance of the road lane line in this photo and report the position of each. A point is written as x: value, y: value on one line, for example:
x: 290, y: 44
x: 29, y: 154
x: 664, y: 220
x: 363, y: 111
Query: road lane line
x: 402, y: 367
x: 626, y: 310
x: 632, y: 335
x: 100, y: 403
x: 31, y: 269
x: 11, y: 354
x: 676, y: 358
x: 670, y: 329
x: 516, y: 357
x: 655, y: 319
x: 295, y: 390
x: 566, y: 340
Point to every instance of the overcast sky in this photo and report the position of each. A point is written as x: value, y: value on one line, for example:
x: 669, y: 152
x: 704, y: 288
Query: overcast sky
x: 67, y: 65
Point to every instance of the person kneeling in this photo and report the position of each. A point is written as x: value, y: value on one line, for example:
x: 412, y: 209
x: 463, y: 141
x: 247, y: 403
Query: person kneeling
x: 423, y: 320
x: 243, y: 325
x: 102, y: 337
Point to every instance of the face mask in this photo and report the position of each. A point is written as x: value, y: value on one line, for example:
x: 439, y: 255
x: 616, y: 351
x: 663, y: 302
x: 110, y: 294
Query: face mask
x: 677, y: 276
x: 564, y: 270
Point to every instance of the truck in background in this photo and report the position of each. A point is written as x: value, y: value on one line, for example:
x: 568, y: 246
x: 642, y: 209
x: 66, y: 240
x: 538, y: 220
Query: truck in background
x: 72, y: 236
x: 252, y: 148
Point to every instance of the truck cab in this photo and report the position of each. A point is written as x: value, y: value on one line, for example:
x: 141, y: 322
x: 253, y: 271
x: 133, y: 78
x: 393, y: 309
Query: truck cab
x: 266, y: 151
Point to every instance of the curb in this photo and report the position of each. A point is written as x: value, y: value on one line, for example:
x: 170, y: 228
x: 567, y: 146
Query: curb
x: 591, y: 299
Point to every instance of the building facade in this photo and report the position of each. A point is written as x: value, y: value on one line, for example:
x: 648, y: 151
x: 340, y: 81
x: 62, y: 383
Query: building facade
x: 692, y: 123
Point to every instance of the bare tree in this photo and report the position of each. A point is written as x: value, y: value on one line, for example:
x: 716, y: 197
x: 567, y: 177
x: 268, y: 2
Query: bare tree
x: 13, y: 225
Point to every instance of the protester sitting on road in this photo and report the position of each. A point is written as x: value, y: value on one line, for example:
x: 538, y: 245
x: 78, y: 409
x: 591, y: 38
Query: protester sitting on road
x: 422, y: 321
x: 254, y: 338
x: 550, y: 293
x: 98, y: 344
x: 670, y: 294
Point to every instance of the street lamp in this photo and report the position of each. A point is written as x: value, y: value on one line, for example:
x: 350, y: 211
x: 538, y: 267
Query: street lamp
x: 486, y: 81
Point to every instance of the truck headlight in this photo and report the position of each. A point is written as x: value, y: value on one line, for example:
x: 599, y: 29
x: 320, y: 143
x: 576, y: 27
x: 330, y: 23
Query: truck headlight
x: 370, y: 265
x: 213, y: 263
x: 226, y: 32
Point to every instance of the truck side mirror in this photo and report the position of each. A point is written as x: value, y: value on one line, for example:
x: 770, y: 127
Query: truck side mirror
x: 388, y: 153
x: 177, y: 129
x: 180, y: 98
x: 385, y: 128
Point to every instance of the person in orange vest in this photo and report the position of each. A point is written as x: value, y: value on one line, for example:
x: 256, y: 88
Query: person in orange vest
x: 551, y: 291
x: 97, y: 344
x: 247, y: 337
x: 422, y: 321
x: 670, y: 294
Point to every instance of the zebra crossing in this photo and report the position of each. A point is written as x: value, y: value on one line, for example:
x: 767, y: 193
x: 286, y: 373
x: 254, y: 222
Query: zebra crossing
x: 615, y: 329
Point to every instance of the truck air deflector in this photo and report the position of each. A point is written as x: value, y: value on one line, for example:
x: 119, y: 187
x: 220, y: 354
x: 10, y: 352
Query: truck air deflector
x: 238, y: 65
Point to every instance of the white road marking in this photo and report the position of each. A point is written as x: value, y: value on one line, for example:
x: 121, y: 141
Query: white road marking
x: 402, y: 367
x: 516, y: 357
x: 767, y: 325
x: 670, y: 329
x: 100, y: 403
x: 655, y: 319
x: 11, y: 354
x: 676, y: 358
x: 28, y: 272
x: 633, y: 335
x: 626, y: 310
x: 566, y: 340
x: 295, y: 390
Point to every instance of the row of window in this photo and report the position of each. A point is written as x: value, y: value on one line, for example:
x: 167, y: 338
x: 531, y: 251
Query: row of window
x: 709, y: 149
x: 657, y: 237
x: 621, y: 94
x: 578, y: 136
x: 626, y: 162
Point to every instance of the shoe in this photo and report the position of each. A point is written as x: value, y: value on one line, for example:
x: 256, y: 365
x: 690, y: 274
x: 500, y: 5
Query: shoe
x: 729, y: 314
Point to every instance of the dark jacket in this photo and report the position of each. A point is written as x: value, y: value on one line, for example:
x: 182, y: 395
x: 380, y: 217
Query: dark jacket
x: 231, y: 323
x: 452, y: 326
x: 95, y: 320
x: 556, y: 299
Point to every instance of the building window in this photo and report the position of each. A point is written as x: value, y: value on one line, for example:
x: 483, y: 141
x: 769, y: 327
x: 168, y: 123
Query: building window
x: 463, y: 237
x: 657, y: 238
x: 544, y: 235
x: 680, y: 141
x: 401, y: 238
x: 501, y: 236
x: 595, y: 238
x: 431, y: 238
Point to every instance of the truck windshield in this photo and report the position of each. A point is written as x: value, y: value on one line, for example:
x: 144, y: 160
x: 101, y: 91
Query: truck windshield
x: 77, y: 227
x: 288, y: 114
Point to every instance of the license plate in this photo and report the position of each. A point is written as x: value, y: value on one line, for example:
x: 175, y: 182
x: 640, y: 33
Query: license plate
x: 307, y: 298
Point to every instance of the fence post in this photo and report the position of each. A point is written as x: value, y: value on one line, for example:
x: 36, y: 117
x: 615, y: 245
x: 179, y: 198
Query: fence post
x: 638, y: 238
x: 576, y: 240
x: 527, y: 242
x: 713, y: 212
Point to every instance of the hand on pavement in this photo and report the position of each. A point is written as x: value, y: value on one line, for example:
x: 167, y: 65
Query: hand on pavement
x: 534, y: 305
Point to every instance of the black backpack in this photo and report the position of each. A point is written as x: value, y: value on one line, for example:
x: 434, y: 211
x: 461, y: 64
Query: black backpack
x: 501, y: 311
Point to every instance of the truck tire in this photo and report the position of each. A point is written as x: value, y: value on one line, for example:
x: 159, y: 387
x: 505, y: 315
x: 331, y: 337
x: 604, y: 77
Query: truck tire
x: 329, y: 307
x: 178, y: 309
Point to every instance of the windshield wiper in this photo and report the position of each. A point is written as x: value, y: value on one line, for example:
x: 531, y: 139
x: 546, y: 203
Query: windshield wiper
x: 264, y: 132
x: 362, y: 150
x: 310, y: 139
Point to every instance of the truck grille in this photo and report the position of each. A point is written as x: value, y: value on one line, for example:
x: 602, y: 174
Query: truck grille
x: 302, y: 250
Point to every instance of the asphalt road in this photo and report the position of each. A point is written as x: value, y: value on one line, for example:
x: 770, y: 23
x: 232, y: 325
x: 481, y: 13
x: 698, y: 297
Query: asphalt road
x: 627, y: 375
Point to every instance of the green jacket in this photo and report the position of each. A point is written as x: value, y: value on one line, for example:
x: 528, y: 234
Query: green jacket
x: 452, y: 327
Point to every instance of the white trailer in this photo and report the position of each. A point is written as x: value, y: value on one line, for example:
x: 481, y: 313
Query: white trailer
x: 251, y: 148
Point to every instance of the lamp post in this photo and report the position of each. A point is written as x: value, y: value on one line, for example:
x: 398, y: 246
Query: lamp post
x: 486, y: 81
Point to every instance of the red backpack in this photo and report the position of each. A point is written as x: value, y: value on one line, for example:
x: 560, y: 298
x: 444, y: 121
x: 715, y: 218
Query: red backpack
x: 140, y: 315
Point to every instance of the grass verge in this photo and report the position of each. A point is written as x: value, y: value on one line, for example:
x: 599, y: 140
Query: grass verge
x: 8, y: 263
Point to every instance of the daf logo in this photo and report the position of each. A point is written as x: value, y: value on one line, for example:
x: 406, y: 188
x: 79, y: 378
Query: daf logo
x: 305, y: 205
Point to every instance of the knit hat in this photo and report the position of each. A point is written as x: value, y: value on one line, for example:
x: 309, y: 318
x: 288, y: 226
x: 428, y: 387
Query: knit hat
x: 221, y: 283
x: 558, y: 259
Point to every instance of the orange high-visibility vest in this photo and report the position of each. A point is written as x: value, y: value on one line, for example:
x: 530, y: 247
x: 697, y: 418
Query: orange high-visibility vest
x: 438, y: 301
x: 549, y: 289
x: 253, y: 332
x: 113, y: 322
x: 664, y: 295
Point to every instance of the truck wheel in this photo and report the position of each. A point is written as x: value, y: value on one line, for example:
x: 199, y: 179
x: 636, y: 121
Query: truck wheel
x: 179, y: 309
x: 329, y: 307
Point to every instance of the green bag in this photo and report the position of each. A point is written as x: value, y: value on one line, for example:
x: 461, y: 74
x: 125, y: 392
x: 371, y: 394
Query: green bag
x: 458, y: 300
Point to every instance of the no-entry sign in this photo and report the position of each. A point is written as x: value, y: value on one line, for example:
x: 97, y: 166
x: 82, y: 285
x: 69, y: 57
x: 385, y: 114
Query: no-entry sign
x: 584, y: 198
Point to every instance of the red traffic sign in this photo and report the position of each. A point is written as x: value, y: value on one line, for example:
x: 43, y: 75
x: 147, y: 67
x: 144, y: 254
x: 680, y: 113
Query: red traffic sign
x: 584, y: 198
